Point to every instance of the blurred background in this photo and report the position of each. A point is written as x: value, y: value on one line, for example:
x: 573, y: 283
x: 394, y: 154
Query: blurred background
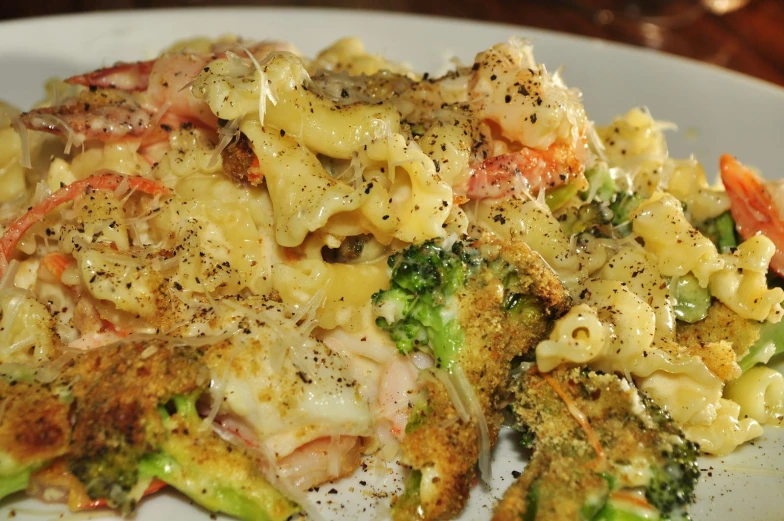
x: 744, y: 35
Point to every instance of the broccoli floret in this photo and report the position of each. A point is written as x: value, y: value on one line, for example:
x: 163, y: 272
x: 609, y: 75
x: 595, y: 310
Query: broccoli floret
x: 593, y: 217
x: 579, y: 469
x: 672, y: 484
x: 674, y: 477
x: 418, y: 308
x: 13, y: 476
x: 622, y: 205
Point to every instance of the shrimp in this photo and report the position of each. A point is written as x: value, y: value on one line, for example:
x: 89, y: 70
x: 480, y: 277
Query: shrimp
x: 141, y: 101
x: 753, y: 207
x: 526, y: 171
x: 311, y: 464
x: 397, y: 385
x: 533, y: 130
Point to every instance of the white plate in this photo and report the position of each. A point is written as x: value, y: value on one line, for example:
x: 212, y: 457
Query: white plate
x: 717, y: 112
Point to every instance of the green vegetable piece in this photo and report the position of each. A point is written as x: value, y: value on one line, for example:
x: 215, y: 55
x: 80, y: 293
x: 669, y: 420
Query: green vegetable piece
x: 13, y: 477
x: 415, y: 308
x: 214, y: 475
x: 532, y: 503
x: 769, y: 344
x: 527, y: 437
x: 672, y: 485
x: 600, y: 183
x: 557, y: 197
x: 622, y: 206
x: 693, y: 301
x: 721, y: 230
x: 727, y: 238
x: 612, y: 512
x: 409, y: 500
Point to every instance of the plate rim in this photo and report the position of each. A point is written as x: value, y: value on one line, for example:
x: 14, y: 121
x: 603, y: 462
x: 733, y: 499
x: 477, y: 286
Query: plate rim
x: 650, y: 53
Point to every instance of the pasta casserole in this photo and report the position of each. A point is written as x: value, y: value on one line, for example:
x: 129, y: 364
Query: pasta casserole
x: 240, y: 272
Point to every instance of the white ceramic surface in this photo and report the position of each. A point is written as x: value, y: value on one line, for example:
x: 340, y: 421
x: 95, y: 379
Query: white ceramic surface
x: 717, y: 112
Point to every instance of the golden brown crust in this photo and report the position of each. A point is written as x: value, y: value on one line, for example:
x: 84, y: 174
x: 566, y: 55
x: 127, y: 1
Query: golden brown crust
x: 117, y: 389
x: 34, y: 425
x: 103, y: 400
x: 721, y: 324
x: 238, y: 158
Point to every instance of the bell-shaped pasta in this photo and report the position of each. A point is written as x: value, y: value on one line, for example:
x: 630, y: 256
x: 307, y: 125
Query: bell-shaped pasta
x: 218, y: 247
x: 760, y: 394
x: 687, y: 400
x: 578, y: 337
x: 127, y: 282
x: 678, y: 246
x: 278, y: 94
x: 631, y: 321
x: 635, y: 142
x: 25, y: 329
x: 742, y: 285
x: 726, y: 432
x: 448, y: 143
x: 632, y: 266
x: 532, y: 222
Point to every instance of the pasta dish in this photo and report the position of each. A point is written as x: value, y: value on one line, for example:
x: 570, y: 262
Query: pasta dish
x: 240, y: 272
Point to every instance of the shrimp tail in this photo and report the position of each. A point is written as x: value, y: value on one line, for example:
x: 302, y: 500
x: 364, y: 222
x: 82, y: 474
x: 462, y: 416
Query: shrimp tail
x: 131, y: 77
x: 753, y: 207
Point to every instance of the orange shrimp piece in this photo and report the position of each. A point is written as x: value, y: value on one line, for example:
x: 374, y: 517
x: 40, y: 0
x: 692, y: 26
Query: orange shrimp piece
x: 56, y: 263
x: 140, y: 101
x: 526, y: 171
x: 753, y: 207
x: 106, y: 180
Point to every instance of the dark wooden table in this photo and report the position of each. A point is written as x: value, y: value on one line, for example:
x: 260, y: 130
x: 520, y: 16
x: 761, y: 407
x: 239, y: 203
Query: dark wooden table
x: 750, y: 40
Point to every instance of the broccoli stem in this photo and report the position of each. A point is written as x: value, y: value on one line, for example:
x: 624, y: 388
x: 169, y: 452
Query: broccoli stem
x: 196, y: 483
x: 557, y: 197
x: 216, y: 476
x: 410, y: 498
x: 769, y: 344
x: 14, y: 481
x: 622, y: 207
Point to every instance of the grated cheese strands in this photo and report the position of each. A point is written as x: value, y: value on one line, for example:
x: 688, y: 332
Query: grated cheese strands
x: 333, y: 465
x: 7, y: 279
x: 122, y: 188
x: 443, y: 377
x: 468, y: 397
x: 73, y: 137
x: 228, y: 133
x: 24, y: 143
x: 162, y: 110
